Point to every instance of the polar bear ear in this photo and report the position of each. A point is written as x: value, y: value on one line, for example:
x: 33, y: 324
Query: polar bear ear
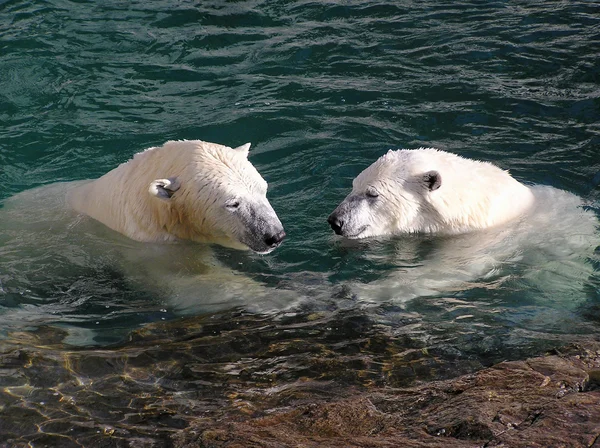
x: 244, y: 149
x: 164, y: 188
x: 433, y: 180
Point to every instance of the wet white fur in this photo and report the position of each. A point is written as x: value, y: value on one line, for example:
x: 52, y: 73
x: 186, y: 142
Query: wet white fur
x: 206, y: 175
x: 485, y: 222
x: 44, y: 242
x: 473, y: 195
x: 549, y: 248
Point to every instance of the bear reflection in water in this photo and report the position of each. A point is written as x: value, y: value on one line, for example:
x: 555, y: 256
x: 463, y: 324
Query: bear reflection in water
x: 482, y: 225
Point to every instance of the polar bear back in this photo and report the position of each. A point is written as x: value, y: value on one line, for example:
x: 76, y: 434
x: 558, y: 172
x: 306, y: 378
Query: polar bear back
x: 119, y: 198
x: 476, y: 195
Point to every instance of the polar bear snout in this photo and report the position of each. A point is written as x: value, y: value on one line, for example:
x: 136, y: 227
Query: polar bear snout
x: 347, y: 224
x: 274, y: 240
x: 336, y: 223
x: 351, y: 218
x: 263, y: 242
x: 261, y: 229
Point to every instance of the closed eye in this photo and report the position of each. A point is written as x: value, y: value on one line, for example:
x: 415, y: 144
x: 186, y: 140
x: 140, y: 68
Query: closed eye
x: 372, y: 193
x: 232, y: 204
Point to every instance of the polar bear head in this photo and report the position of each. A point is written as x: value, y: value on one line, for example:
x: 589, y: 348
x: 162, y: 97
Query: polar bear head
x: 428, y: 191
x: 212, y: 193
x: 189, y: 190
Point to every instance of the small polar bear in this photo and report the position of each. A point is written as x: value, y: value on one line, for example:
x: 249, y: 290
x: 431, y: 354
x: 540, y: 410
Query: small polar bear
x: 429, y: 191
x: 185, y: 190
x: 481, y: 222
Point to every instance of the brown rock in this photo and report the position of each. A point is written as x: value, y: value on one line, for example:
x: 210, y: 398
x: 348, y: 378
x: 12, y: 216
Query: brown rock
x: 550, y: 401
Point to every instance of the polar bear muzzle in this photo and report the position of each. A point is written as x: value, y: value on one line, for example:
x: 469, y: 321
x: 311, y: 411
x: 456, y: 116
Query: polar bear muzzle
x: 262, y: 230
x: 346, y: 218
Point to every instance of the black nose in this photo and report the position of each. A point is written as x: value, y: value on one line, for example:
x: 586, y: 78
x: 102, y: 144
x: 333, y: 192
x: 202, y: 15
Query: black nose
x: 335, y: 223
x: 274, y: 239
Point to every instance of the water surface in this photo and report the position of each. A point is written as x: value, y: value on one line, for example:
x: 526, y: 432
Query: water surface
x: 321, y: 89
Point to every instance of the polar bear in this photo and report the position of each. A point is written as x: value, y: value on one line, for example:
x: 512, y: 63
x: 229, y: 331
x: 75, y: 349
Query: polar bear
x: 185, y: 190
x: 429, y: 191
x: 69, y: 247
x: 472, y: 224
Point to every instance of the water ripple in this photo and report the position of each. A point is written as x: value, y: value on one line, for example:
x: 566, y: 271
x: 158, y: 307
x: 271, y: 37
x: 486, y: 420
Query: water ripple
x: 321, y: 89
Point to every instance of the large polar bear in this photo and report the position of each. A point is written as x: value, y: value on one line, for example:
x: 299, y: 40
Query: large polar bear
x: 470, y: 220
x: 185, y: 190
x: 57, y: 262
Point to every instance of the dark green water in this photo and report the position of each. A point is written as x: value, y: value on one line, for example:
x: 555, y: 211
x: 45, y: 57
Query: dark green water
x: 321, y: 89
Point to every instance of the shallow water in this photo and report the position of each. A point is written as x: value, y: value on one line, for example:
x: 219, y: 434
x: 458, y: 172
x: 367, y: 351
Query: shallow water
x: 321, y: 89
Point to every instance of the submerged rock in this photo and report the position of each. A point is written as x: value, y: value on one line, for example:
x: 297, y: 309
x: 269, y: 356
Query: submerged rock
x: 547, y: 401
x: 237, y: 380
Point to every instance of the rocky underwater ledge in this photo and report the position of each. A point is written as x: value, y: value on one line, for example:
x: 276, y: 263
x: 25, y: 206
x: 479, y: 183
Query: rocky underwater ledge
x: 241, y: 380
x: 547, y: 401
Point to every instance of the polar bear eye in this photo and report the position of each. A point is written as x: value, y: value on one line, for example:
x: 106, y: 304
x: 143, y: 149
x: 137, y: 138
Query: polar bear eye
x: 233, y: 204
x: 372, y: 193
